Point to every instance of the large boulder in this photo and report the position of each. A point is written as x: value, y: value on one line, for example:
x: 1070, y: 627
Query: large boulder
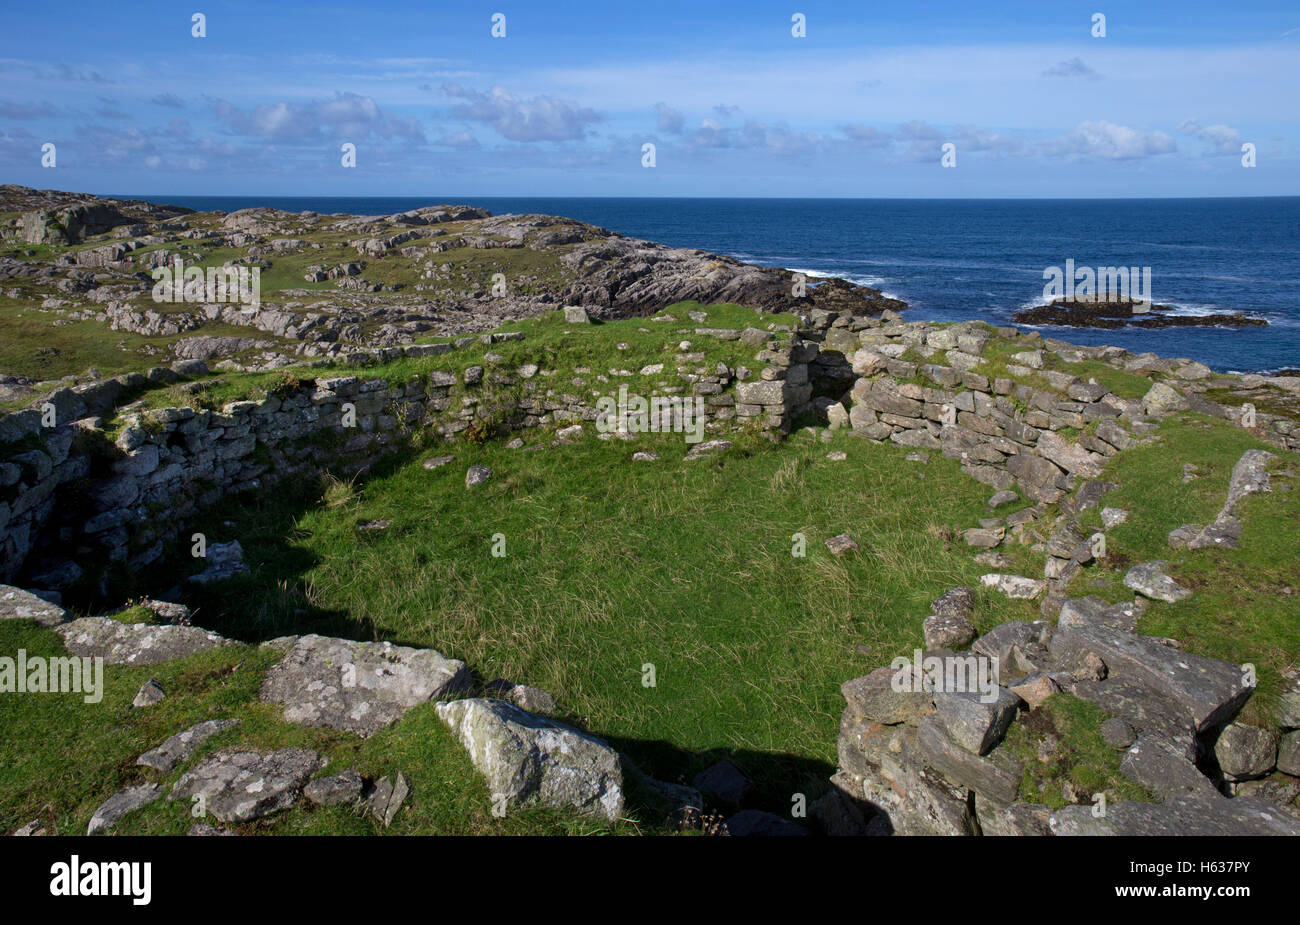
x: 360, y: 687
x: 529, y: 759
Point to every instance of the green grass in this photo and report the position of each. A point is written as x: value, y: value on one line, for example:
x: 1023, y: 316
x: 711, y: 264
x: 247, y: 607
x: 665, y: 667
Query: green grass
x: 1060, y: 746
x: 1246, y: 605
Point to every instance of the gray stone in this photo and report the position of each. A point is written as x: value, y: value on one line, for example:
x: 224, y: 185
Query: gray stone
x: 178, y: 748
x: 972, y: 723
x: 150, y: 692
x: 1245, y: 751
x: 1150, y: 580
x: 1003, y: 497
x: 125, y: 801
x: 360, y: 687
x: 1118, y: 734
x: 1014, y: 586
x: 335, y: 790
x: 576, y: 314
x: 1185, y: 814
x: 387, y: 798
x: 1288, y: 753
x: 948, y: 632
x: 532, y: 699
x: 17, y: 604
x: 435, y: 462
x: 1162, y: 767
x: 528, y: 759
x: 996, y: 778
x: 135, y: 643
x: 477, y: 475
x: 708, y: 448
x: 223, y: 560
x: 239, y: 786
x: 874, y: 699
x: 1209, y: 692
x: 1019, y: 819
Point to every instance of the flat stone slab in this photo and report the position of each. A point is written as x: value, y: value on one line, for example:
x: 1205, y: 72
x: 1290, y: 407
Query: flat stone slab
x: 359, y: 687
x: 176, y: 749
x: 971, y: 722
x: 1187, y: 814
x: 387, y: 798
x: 1149, y: 580
x: 17, y: 604
x: 135, y: 643
x: 120, y: 804
x: 238, y: 785
x: 529, y: 759
x: 1209, y: 691
x: 335, y: 790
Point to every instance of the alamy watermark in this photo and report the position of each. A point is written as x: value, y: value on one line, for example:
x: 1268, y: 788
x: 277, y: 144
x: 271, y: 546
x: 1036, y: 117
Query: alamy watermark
x: 1102, y: 284
x: 660, y: 414
x: 947, y: 674
x: 37, y: 674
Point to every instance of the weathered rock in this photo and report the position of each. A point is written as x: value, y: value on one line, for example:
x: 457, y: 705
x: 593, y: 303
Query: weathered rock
x: 178, y: 748
x: 134, y: 643
x: 1118, y: 734
x: 1208, y: 691
x: 974, y: 720
x: 125, y: 801
x: 1016, y: 586
x: 223, y: 560
x: 1288, y: 753
x: 873, y: 697
x: 1160, y: 400
x: 528, y: 759
x: 150, y: 692
x: 335, y: 790
x: 948, y: 632
x: 1162, y: 767
x: 437, y: 462
x: 707, y: 448
x: 17, y: 604
x: 477, y: 475
x: 532, y: 699
x: 956, y: 602
x: 387, y: 798
x: 996, y: 778
x: 839, y: 545
x: 1019, y: 819
x: 238, y: 786
x: 360, y: 687
x: 1150, y: 580
x: 1186, y: 814
x: 1245, y: 752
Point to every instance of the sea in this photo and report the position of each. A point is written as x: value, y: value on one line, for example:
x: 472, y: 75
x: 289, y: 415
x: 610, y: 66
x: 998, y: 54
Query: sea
x: 968, y: 259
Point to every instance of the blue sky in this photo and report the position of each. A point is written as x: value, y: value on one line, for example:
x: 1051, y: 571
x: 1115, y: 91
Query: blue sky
x: 734, y: 104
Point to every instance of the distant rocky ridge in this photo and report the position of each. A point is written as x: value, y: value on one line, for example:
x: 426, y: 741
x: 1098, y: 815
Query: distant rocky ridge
x: 389, y: 281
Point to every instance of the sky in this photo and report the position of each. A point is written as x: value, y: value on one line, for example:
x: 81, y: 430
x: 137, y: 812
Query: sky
x: 735, y: 104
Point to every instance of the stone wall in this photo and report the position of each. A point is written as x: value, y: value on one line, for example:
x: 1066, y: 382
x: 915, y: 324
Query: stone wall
x: 73, y: 493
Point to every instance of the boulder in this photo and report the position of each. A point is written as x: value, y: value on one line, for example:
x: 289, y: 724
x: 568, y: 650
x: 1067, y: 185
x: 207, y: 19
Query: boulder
x: 528, y: 759
x: 974, y: 720
x: 874, y: 698
x: 359, y: 687
x: 723, y: 781
x: 1245, y: 752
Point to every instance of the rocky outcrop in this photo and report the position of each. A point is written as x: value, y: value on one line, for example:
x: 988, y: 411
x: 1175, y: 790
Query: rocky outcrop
x: 120, y: 643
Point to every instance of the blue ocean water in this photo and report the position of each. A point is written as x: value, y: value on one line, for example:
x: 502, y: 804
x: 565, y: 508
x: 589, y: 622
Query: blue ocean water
x: 970, y: 259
